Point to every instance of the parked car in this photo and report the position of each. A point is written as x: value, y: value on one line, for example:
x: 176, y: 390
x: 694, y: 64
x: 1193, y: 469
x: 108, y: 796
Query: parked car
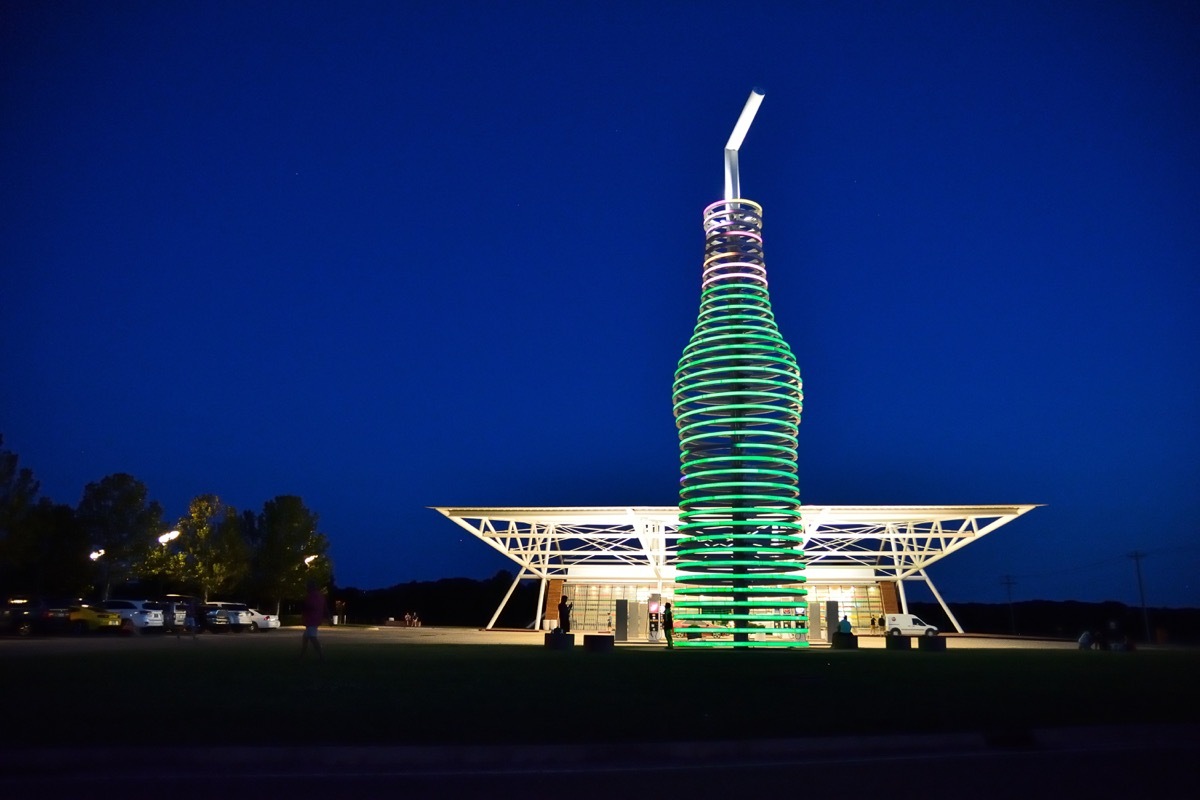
x: 236, y: 614
x: 262, y: 622
x: 174, y: 615
x: 178, y: 607
x: 137, y: 616
x: 87, y: 618
x: 908, y: 625
x: 213, y: 619
x: 27, y: 615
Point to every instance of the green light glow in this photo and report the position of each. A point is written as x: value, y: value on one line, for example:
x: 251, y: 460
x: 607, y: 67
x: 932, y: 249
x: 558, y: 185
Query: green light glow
x: 737, y: 400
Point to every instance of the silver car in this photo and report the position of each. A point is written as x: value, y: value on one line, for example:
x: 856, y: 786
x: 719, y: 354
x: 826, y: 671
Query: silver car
x: 238, y: 615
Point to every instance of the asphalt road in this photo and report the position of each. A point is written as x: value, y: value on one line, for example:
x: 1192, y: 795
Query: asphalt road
x: 1095, y: 763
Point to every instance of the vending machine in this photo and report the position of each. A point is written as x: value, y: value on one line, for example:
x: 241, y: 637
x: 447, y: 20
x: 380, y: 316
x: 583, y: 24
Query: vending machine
x: 654, y: 610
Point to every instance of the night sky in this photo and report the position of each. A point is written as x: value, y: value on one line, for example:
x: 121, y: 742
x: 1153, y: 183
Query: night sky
x: 394, y: 255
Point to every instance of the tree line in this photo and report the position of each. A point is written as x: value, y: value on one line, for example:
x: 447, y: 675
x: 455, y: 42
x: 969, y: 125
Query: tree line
x: 117, y: 536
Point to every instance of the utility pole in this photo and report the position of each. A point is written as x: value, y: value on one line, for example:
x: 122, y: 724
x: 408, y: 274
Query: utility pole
x: 1008, y: 582
x: 1137, y: 556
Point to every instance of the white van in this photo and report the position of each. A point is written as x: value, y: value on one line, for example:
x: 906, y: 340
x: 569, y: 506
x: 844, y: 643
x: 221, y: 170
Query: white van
x: 908, y: 625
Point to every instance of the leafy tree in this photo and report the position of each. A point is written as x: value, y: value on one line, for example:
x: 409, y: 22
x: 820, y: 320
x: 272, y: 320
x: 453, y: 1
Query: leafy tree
x: 59, y: 550
x: 18, y: 488
x: 250, y: 529
x: 284, y: 559
x: 118, y: 519
x: 214, y: 551
x: 165, y: 563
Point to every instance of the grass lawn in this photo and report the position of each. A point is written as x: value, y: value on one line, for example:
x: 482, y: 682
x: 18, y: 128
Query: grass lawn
x: 174, y: 693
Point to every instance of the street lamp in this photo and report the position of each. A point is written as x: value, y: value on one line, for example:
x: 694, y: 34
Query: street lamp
x: 95, y: 556
x: 169, y: 536
x: 308, y: 560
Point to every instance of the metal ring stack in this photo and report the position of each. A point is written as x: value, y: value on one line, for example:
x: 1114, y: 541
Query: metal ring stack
x: 737, y: 401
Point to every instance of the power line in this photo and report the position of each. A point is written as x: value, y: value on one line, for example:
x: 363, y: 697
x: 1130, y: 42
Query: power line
x: 1137, y: 556
x: 1008, y: 581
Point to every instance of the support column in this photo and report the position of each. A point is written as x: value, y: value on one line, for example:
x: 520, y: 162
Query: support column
x: 537, y: 617
x: 941, y: 602
x: 507, y: 596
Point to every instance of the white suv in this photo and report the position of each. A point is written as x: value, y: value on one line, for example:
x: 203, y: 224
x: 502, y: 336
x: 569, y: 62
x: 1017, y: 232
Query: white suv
x: 136, y: 615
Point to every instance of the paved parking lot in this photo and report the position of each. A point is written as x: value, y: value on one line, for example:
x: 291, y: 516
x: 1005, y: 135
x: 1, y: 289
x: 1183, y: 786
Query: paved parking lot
x: 426, y: 635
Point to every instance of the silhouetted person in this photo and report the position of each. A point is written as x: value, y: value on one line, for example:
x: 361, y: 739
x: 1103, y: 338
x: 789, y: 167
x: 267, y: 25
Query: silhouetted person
x: 190, y: 618
x: 564, y: 614
x: 314, y: 612
x: 668, y: 620
x: 844, y: 625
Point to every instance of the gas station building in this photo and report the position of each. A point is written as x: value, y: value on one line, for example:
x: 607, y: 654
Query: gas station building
x: 860, y: 557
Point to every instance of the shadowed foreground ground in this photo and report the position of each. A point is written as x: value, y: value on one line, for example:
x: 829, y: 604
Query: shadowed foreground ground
x: 382, y: 687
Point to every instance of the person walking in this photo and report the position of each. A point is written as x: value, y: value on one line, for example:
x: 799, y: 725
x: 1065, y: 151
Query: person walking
x: 668, y: 620
x: 314, y: 612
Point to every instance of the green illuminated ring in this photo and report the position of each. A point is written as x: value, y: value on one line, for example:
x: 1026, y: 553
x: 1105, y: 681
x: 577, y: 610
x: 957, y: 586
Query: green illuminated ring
x: 737, y: 399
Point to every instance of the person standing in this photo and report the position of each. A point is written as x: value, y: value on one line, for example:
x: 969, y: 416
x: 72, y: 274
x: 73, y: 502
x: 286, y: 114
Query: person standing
x: 314, y: 612
x: 564, y: 614
x: 190, y: 617
x: 668, y: 620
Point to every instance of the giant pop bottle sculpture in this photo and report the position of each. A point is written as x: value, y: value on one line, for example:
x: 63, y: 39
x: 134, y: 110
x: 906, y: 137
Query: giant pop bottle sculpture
x: 737, y: 398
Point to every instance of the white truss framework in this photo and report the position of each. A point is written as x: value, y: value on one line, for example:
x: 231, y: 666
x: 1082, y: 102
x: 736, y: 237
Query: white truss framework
x: 636, y: 545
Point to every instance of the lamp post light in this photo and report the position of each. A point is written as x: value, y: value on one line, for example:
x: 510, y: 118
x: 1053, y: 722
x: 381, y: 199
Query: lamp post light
x: 308, y: 560
x: 95, y: 556
x: 165, y: 572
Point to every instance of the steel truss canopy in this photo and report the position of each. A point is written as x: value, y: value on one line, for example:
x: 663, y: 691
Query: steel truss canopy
x: 636, y: 544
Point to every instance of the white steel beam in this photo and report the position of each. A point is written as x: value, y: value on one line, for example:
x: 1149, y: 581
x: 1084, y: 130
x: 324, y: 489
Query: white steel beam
x: 941, y: 602
x: 635, y: 545
x: 504, y: 602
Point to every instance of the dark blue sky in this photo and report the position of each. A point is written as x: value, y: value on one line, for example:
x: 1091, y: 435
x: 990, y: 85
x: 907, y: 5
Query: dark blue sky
x: 393, y: 255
